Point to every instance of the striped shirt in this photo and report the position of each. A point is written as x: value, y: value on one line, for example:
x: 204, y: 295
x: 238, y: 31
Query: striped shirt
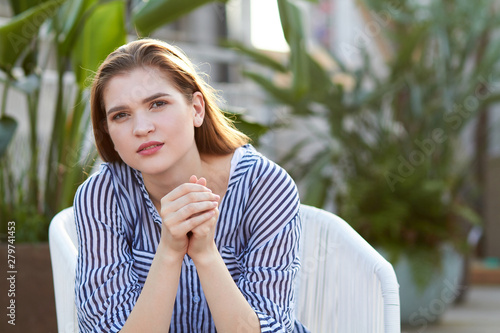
x: 257, y: 235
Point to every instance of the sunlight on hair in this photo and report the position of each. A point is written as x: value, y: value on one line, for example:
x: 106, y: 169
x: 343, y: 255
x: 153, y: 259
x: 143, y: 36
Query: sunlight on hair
x: 266, y: 32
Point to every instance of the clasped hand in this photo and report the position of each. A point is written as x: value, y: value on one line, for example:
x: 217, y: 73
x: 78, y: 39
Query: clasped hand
x: 189, y: 214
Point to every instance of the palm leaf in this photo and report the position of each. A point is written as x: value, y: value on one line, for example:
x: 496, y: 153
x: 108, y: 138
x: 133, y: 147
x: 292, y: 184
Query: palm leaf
x: 282, y: 95
x: 19, y: 6
x: 18, y: 33
x: 97, y: 40
x: 253, y: 129
x: 293, y: 30
x: 256, y: 56
x: 151, y: 15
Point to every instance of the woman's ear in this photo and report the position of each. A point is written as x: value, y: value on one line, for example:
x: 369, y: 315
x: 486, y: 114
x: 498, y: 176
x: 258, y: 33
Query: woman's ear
x: 198, y: 106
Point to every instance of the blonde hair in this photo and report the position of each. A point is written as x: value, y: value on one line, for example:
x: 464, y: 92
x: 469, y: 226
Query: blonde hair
x: 217, y: 135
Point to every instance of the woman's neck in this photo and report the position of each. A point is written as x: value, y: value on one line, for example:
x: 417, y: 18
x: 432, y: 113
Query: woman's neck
x: 216, y: 170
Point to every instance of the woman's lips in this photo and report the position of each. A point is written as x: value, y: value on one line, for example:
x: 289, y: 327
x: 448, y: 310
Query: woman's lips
x: 149, y: 148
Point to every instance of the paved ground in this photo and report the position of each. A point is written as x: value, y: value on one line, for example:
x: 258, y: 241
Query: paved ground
x: 479, y: 313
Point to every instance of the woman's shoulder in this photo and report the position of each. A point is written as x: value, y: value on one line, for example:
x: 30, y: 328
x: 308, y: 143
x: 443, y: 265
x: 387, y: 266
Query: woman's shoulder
x: 271, y: 197
x: 106, y: 179
x: 258, y: 166
x: 104, y: 199
x: 108, y: 193
x: 264, y: 180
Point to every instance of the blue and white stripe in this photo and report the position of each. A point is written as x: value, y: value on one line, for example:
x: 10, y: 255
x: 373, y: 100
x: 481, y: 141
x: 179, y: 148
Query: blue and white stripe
x: 257, y: 235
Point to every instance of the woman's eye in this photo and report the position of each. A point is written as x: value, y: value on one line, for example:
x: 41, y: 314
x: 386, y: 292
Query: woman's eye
x: 119, y: 115
x: 157, y: 104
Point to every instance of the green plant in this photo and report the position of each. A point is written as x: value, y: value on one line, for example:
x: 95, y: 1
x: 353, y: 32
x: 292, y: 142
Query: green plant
x: 391, y: 157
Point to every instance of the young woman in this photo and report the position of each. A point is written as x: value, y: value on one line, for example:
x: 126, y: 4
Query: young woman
x: 185, y: 227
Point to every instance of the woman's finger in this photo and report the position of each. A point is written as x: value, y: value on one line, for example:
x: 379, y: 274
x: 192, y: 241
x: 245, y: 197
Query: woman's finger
x: 190, y: 198
x: 192, y: 222
x: 209, y: 223
x: 202, y: 181
x: 184, y: 189
x: 194, y: 209
x: 187, y: 211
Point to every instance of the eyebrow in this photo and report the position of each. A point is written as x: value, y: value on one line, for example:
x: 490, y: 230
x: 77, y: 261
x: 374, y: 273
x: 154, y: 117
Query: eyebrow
x: 144, y: 101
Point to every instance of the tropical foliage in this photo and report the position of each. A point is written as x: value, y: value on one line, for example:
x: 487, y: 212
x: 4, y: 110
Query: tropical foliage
x: 388, y: 153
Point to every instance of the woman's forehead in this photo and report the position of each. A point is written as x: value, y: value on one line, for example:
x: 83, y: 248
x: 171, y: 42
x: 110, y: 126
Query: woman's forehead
x: 137, y: 84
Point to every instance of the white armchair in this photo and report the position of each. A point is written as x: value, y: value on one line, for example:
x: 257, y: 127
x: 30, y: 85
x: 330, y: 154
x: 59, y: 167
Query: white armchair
x: 63, y: 244
x: 344, y: 284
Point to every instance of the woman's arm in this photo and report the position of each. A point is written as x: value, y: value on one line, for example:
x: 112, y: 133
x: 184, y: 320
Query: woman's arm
x: 229, y: 308
x: 269, y: 262
x: 184, y: 208
x: 107, y: 285
x: 268, y: 278
x: 153, y: 309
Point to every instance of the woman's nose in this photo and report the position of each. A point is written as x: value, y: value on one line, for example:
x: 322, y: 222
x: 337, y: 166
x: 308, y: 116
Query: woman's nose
x: 143, y: 126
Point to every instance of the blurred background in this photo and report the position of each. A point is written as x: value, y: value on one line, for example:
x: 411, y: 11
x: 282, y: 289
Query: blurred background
x: 385, y: 112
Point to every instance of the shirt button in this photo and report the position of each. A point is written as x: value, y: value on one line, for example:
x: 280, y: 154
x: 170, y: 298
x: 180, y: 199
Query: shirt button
x: 196, y: 299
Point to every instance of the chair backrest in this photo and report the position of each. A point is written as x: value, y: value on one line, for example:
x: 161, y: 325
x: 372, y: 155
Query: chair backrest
x: 345, y: 285
x: 63, y: 246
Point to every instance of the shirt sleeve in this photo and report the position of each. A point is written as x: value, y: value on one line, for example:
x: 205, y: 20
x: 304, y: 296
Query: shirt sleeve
x: 271, y: 259
x: 106, y: 285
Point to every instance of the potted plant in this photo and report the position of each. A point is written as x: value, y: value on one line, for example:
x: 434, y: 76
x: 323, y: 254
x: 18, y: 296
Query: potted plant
x: 388, y: 153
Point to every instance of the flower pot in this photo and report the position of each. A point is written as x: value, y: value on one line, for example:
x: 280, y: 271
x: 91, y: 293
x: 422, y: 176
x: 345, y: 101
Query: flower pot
x: 29, y: 291
x: 422, y: 305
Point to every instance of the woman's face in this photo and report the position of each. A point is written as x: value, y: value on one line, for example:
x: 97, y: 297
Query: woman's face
x: 150, y: 121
